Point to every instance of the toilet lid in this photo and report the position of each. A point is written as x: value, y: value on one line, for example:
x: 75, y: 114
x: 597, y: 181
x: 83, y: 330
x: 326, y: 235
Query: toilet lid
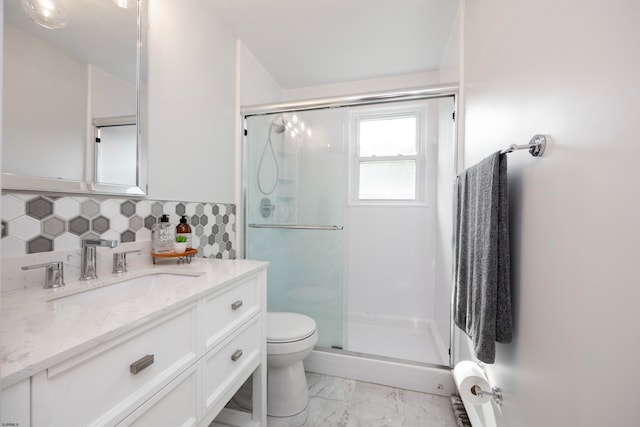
x: 287, y: 327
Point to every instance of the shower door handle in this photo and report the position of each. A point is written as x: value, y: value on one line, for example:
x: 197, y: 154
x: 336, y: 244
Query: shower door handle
x: 297, y: 226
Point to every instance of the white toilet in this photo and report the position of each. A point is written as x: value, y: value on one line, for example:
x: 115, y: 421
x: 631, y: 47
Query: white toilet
x: 290, y: 338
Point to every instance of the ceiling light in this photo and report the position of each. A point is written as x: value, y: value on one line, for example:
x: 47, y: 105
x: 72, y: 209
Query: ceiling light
x: 48, y: 13
x: 126, y: 4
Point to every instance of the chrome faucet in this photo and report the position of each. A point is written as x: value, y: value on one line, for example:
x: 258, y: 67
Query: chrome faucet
x: 120, y: 261
x: 53, y: 273
x: 88, y: 256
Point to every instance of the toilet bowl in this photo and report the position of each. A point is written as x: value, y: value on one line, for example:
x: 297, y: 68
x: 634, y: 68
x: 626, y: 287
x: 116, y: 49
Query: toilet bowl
x: 290, y: 338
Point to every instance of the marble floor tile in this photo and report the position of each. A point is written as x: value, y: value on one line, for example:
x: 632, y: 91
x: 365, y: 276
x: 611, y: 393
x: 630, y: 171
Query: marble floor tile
x: 339, y: 402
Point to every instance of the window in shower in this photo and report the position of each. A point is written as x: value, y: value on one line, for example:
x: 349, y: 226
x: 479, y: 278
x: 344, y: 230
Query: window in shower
x: 387, y: 145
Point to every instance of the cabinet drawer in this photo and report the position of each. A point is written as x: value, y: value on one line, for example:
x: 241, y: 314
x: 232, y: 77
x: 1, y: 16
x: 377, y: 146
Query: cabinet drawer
x: 227, y: 367
x: 174, y: 405
x: 225, y: 311
x: 98, y: 387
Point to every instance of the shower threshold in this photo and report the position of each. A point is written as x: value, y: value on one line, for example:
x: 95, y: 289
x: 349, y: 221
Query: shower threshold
x: 409, y: 375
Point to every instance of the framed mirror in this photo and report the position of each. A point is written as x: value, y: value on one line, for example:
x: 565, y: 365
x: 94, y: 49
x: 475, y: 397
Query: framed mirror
x: 73, y: 98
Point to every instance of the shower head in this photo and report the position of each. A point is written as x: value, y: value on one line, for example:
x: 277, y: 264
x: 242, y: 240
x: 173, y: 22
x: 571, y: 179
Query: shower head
x: 278, y: 124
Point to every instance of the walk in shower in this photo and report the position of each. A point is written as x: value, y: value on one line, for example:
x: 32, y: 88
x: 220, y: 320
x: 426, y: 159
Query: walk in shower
x: 350, y: 200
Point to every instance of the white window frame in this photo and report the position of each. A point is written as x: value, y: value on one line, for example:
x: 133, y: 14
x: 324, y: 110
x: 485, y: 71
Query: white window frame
x: 419, y: 111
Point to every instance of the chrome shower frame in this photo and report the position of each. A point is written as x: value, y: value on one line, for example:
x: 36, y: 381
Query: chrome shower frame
x: 410, y: 94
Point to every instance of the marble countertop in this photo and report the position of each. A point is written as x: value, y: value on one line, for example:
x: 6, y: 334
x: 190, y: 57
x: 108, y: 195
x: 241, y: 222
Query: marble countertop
x: 36, y: 334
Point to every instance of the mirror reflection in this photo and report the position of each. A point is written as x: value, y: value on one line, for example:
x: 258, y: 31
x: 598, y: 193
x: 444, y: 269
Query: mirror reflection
x: 116, y: 150
x: 70, y: 95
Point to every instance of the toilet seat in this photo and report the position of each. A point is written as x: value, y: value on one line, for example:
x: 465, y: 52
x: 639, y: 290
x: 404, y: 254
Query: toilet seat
x: 289, y: 327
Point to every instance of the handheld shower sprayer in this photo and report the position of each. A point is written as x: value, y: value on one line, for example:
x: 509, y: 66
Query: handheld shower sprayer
x: 278, y: 125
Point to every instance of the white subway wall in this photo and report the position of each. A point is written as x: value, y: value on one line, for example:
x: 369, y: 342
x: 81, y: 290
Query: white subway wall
x: 570, y: 70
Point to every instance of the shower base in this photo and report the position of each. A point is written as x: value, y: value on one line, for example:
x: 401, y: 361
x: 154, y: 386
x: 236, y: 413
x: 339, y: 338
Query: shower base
x: 424, y: 378
x: 403, y: 338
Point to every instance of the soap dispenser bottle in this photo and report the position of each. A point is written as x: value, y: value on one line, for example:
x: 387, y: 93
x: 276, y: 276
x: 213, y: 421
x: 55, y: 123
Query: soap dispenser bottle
x: 162, y: 235
x: 184, y: 229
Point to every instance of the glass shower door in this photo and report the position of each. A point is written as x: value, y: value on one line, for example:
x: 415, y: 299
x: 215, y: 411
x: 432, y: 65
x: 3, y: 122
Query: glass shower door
x: 295, y: 197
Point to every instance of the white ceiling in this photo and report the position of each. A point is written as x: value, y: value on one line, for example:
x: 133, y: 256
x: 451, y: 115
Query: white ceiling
x: 313, y: 42
x: 300, y: 42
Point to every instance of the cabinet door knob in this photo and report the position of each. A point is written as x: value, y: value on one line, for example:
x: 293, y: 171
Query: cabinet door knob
x: 141, y: 364
x: 236, y: 355
x: 236, y: 305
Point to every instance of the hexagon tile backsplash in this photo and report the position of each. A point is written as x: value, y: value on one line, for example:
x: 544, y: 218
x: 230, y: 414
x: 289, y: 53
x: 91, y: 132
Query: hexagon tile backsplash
x: 34, y: 223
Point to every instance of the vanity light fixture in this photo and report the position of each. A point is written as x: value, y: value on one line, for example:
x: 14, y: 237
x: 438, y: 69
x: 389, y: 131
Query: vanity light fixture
x: 47, y: 13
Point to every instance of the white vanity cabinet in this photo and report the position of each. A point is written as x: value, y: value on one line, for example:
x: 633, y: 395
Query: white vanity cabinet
x: 175, y: 405
x: 15, y: 407
x: 179, y: 369
x: 98, y: 387
x: 235, y: 342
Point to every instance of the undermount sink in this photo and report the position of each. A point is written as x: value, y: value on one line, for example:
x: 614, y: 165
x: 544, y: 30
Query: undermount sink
x: 119, y: 291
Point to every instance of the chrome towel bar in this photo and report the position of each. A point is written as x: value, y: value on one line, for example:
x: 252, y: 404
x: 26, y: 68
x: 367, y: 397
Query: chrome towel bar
x: 536, y: 146
x: 297, y: 226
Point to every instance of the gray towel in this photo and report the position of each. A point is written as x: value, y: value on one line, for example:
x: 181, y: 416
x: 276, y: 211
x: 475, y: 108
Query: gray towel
x: 482, y: 299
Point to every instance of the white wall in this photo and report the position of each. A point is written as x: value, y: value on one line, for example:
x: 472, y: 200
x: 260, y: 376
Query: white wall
x: 190, y: 103
x: 449, y: 68
x: 257, y: 86
x: 568, y: 69
x: 391, y: 256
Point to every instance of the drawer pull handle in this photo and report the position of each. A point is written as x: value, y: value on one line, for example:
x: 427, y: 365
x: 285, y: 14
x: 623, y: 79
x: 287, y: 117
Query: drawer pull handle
x: 141, y: 364
x: 236, y: 305
x: 236, y: 355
